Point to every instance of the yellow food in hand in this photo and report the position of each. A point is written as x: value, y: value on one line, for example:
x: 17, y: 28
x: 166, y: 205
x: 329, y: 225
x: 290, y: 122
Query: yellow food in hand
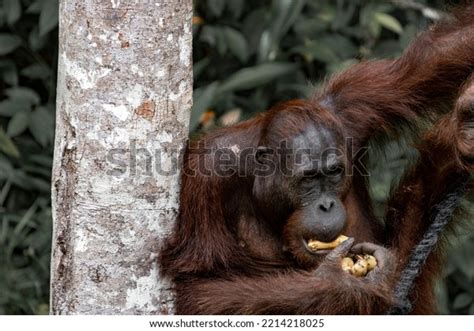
x: 371, y: 262
x: 316, y: 245
x: 360, y: 268
x: 359, y: 265
x: 347, y: 264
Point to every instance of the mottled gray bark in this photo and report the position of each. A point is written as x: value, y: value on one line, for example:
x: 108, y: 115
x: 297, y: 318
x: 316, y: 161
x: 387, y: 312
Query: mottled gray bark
x: 124, y: 95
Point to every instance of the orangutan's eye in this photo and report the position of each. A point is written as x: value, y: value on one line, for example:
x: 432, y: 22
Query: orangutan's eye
x: 311, y: 177
x: 335, y: 171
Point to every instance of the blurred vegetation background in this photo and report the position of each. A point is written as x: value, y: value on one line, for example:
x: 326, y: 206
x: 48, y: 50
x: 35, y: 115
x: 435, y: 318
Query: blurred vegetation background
x: 248, y: 55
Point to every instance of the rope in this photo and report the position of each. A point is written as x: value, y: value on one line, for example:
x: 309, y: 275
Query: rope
x: 443, y: 213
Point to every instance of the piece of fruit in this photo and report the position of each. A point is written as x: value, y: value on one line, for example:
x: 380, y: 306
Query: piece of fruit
x: 358, y: 265
x: 347, y: 264
x: 316, y: 245
x: 360, y: 268
x: 371, y: 262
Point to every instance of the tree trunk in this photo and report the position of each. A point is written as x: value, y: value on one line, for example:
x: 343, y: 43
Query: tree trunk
x: 124, y: 100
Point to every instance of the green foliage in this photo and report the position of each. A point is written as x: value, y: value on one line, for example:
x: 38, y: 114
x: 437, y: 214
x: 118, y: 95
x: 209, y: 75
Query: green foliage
x: 28, y: 47
x: 252, y: 54
x: 248, y: 55
x: 456, y: 290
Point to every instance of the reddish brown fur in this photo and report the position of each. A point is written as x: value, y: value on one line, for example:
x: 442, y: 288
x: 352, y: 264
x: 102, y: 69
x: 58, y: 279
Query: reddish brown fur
x: 227, y: 258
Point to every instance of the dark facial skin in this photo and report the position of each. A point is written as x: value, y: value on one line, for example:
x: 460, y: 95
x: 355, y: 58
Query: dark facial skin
x: 311, y: 180
x: 318, y: 183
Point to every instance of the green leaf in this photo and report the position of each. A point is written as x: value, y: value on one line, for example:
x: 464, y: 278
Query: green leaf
x: 18, y: 124
x: 389, y: 22
x: 36, y: 41
x: 367, y: 19
x: 463, y: 261
x: 8, y: 72
x: 284, y: 13
x: 8, y: 43
x: 343, y: 15
x: 330, y: 48
x: 237, y: 44
x: 259, y: 75
x: 41, y: 125
x: 441, y: 291
x: 265, y: 46
x: 309, y: 28
x: 34, y: 170
x: 342, y: 46
x: 48, y: 19
x: 12, y: 9
x: 21, y: 179
x: 10, y: 76
x: 236, y: 7
x: 7, y: 146
x: 200, y: 66
x: 292, y: 14
x: 408, y: 35
x: 41, y: 185
x: 316, y: 50
x: 5, y: 169
x: 462, y: 301
x: 35, y: 7
x: 42, y: 160
x: 26, y: 219
x: 10, y: 107
x: 221, y: 42
x: 36, y: 71
x: 253, y: 26
x: 203, y: 100
x: 23, y: 93
x: 216, y: 6
x: 208, y: 35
